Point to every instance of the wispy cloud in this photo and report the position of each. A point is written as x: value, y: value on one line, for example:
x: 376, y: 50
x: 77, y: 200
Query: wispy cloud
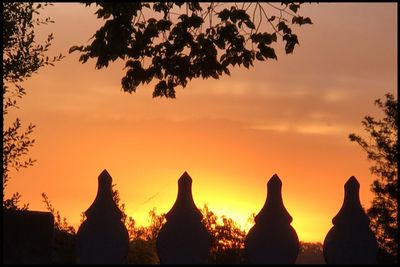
x: 271, y: 127
x: 335, y: 95
x: 323, y: 129
x: 302, y: 128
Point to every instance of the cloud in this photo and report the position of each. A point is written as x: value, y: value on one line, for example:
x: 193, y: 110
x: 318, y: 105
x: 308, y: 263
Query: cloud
x: 270, y: 127
x: 335, y: 95
x: 321, y: 129
x: 301, y: 128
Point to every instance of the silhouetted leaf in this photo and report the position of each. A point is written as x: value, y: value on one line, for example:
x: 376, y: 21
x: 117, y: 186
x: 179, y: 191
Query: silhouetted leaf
x: 224, y: 14
x: 291, y: 41
x: 267, y: 52
x: 294, y: 7
x: 250, y: 24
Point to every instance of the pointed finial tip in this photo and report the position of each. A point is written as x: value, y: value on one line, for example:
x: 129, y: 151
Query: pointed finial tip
x: 185, y: 177
x: 104, y: 172
x: 275, y: 179
x: 352, y: 185
x: 352, y: 181
x: 104, y: 175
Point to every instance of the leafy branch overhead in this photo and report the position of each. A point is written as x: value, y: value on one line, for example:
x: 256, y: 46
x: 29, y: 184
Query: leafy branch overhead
x: 174, y: 42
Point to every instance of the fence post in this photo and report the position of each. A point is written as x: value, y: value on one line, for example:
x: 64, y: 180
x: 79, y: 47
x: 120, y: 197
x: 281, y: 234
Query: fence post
x: 183, y: 239
x: 350, y: 240
x: 272, y: 240
x: 102, y: 237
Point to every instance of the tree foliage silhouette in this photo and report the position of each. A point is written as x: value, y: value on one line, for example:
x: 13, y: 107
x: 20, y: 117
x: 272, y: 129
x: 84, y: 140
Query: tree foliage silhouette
x: 310, y: 253
x: 64, y: 236
x: 174, y: 42
x: 227, y: 238
x: 142, y: 248
x: 22, y: 57
x: 381, y: 148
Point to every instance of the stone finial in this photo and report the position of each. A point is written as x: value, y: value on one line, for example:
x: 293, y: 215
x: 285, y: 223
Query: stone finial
x: 102, y: 237
x: 183, y: 239
x: 350, y: 240
x: 272, y: 240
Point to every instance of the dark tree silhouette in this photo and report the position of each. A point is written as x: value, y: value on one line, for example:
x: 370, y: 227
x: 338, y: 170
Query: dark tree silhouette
x: 174, y: 42
x: 142, y: 248
x: 142, y: 240
x: 381, y: 148
x: 64, y: 245
x: 142, y: 252
x: 22, y: 57
x: 227, y: 239
x: 310, y: 253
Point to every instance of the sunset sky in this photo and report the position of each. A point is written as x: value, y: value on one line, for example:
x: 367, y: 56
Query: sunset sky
x: 291, y: 117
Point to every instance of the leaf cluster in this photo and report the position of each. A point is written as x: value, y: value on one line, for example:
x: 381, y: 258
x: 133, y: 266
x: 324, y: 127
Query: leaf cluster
x: 60, y: 223
x: 12, y: 203
x: 22, y: 56
x: 188, y: 40
x: 15, y: 146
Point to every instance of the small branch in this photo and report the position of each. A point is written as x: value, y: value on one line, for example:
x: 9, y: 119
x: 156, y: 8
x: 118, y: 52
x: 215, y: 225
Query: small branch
x: 281, y: 10
x: 259, y: 23
x: 265, y: 14
x: 211, y: 14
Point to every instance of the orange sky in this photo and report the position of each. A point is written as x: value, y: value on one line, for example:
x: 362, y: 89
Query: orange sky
x: 290, y: 117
